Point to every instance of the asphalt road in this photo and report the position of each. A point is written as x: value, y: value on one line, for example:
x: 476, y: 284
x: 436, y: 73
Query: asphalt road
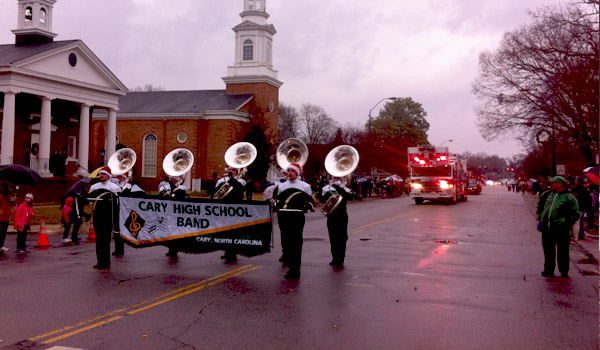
x: 464, y: 276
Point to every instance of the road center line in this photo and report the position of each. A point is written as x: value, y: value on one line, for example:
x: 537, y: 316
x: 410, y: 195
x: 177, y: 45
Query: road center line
x: 144, y: 305
x: 362, y: 228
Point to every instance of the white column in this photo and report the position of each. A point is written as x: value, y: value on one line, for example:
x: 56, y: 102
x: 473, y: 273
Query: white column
x: 8, y: 128
x: 111, y: 133
x: 83, y: 147
x: 45, y: 133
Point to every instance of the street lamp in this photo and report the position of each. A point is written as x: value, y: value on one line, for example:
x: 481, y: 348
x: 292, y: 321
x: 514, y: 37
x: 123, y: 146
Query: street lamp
x: 552, y: 139
x: 445, y: 142
x: 370, y: 110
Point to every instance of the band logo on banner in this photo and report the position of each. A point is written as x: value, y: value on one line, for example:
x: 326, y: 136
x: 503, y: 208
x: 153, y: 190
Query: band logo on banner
x: 196, y: 226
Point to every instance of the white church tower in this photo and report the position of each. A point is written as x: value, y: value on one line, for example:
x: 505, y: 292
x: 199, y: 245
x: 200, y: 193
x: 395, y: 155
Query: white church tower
x: 253, y: 43
x: 34, y: 22
x: 252, y: 71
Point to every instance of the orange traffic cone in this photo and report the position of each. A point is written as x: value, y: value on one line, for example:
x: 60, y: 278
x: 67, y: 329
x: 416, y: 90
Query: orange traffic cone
x: 42, y: 236
x: 92, y: 232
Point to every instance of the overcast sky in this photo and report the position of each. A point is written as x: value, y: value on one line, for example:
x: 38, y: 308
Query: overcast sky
x: 343, y: 56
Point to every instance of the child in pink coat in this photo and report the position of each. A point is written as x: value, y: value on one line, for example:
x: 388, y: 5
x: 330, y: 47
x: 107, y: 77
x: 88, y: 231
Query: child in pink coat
x: 23, y: 217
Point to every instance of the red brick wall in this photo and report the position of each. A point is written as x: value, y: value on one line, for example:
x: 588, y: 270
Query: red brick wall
x: 207, y: 140
x: 263, y: 94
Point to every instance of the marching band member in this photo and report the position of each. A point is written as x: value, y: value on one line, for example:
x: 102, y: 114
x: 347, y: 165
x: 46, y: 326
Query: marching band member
x: 105, y: 209
x: 294, y: 198
x: 337, y: 221
x: 127, y: 189
x: 172, y: 187
x: 236, y: 194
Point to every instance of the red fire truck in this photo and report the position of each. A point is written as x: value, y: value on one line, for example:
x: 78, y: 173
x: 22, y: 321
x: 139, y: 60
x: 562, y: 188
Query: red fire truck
x: 436, y: 175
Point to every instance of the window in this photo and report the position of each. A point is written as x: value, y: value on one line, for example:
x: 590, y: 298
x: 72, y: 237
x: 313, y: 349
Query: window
x: 28, y: 14
x: 149, y: 151
x: 248, y: 49
x: 182, y: 137
x: 72, y: 148
x: 269, y: 52
x: 43, y: 15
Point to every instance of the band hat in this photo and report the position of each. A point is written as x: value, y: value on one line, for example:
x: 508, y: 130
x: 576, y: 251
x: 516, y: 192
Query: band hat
x: 296, y: 167
x: 105, y: 170
x: 559, y: 179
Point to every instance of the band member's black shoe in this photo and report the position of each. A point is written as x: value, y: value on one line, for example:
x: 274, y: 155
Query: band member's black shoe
x: 564, y: 275
x: 336, y: 263
x: 547, y: 274
x: 230, y: 259
x: 292, y: 276
x: 98, y: 266
x: 117, y: 253
x: 171, y: 253
x: 223, y: 256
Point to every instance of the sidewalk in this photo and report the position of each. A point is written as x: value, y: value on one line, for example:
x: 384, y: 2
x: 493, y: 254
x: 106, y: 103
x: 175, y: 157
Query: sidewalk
x: 590, y: 244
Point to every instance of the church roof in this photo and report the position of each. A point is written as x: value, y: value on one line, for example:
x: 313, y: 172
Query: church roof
x: 9, y: 53
x: 192, y: 101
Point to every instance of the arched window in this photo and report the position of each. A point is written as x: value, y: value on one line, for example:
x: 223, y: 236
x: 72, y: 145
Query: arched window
x: 149, y: 156
x: 248, y: 50
x: 269, y: 53
x: 43, y: 15
x: 28, y: 14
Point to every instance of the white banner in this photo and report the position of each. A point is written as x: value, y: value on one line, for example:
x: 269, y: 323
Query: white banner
x: 150, y: 220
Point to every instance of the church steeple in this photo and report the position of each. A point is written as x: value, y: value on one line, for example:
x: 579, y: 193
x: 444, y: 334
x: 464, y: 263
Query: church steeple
x: 253, y: 43
x: 34, y: 25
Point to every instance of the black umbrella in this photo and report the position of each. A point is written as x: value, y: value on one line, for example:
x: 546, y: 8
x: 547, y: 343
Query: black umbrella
x: 19, y: 174
x: 78, y: 187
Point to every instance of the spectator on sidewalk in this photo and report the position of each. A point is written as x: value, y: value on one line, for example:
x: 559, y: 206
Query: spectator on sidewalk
x: 67, y: 218
x: 23, y: 217
x: 584, y: 201
x: 5, y: 213
x: 558, y: 214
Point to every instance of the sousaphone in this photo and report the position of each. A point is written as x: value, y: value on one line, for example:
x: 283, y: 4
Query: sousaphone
x: 178, y: 162
x: 239, y: 156
x: 291, y: 151
x: 340, y: 162
x: 122, y: 161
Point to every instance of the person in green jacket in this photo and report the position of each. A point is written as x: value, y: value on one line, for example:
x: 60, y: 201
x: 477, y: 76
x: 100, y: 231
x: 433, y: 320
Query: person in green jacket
x: 558, y: 214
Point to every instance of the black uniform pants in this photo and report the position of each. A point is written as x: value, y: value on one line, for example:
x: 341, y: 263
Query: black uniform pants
x: 337, y: 226
x: 291, y: 225
x: 556, y: 243
x: 103, y: 227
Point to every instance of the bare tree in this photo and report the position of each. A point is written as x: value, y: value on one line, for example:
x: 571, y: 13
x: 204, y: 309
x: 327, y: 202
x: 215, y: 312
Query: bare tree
x: 318, y: 127
x: 148, y: 88
x: 288, y: 121
x: 354, y: 134
x: 544, y: 80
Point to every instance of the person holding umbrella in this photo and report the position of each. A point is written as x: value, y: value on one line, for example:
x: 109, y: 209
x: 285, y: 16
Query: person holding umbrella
x: 23, y: 217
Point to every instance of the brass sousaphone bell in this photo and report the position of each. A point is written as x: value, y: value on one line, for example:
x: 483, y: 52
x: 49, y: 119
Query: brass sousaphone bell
x: 122, y: 161
x: 340, y: 162
x: 239, y: 156
x: 178, y: 162
x: 291, y: 151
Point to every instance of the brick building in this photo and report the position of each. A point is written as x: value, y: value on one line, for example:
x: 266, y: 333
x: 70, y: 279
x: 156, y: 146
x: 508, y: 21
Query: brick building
x: 64, y: 112
x: 206, y: 122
